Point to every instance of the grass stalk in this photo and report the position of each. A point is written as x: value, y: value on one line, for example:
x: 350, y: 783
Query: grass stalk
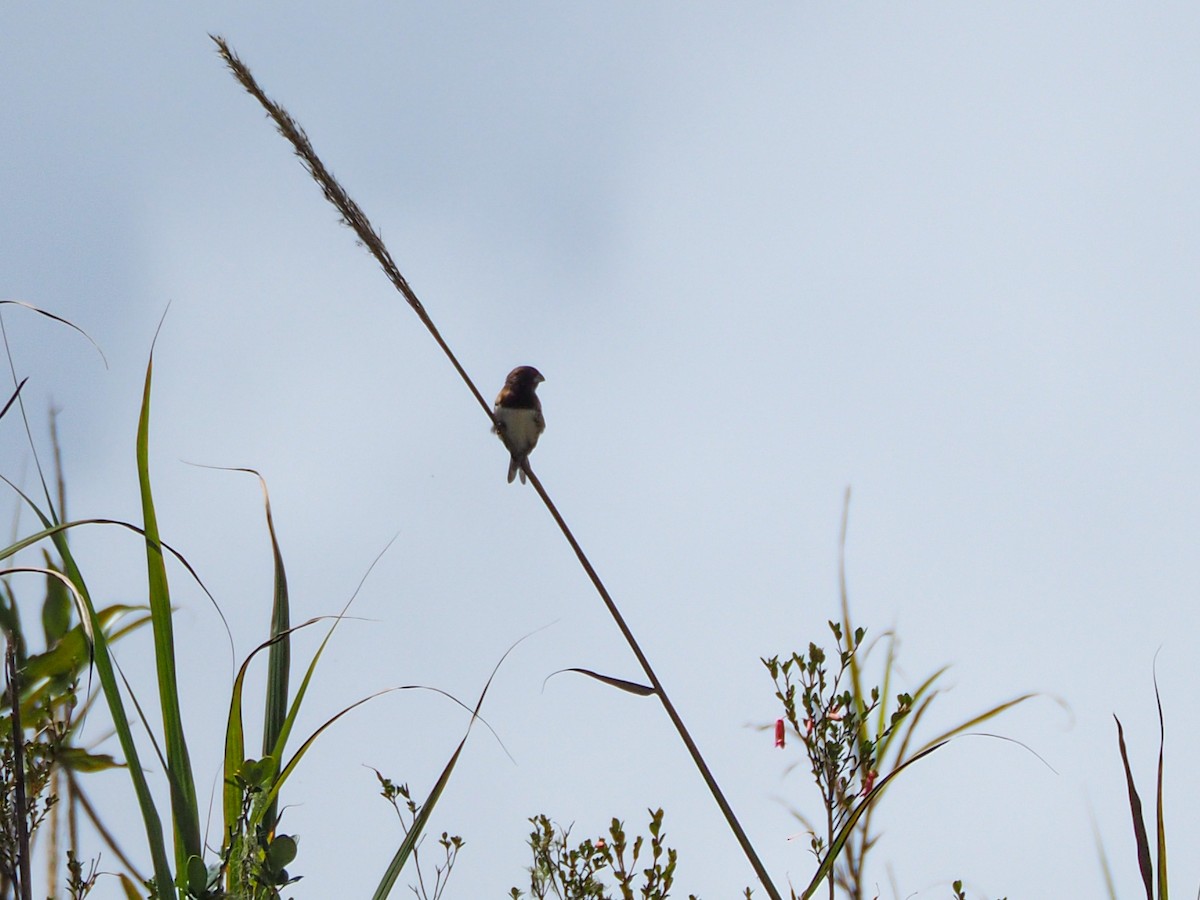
x: 355, y: 219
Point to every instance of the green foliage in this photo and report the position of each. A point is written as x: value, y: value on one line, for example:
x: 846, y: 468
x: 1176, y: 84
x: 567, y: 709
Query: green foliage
x: 581, y: 872
x: 47, y: 684
x: 255, y: 859
x: 833, y: 725
x: 855, y: 744
x: 408, y: 816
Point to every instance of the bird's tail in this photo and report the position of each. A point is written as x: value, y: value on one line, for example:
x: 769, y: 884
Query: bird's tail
x: 514, y: 466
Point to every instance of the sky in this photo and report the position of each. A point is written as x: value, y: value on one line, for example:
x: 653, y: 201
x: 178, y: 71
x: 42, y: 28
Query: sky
x: 935, y: 253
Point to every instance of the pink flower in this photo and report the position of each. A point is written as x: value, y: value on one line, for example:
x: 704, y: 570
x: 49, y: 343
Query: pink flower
x: 779, y: 733
x: 869, y: 781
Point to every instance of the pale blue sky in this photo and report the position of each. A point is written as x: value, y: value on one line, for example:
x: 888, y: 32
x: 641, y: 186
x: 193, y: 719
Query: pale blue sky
x: 942, y: 253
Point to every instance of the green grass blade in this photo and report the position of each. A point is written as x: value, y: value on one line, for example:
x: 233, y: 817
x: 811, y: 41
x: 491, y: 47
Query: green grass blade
x: 60, y: 320
x: 844, y: 593
x: 426, y: 809
x: 235, y: 753
x: 273, y: 793
x: 1162, y: 830
x: 235, y: 741
x: 883, y: 714
x: 279, y: 660
x: 847, y: 829
x: 53, y: 513
x: 163, y: 882
x: 982, y: 717
x: 275, y: 706
x: 1139, y: 825
x: 184, y: 805
x: 418, y: 827
x: 294, y: 710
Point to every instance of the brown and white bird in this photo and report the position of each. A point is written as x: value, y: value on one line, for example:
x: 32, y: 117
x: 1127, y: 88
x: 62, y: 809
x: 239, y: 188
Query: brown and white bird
x: 518, y: 412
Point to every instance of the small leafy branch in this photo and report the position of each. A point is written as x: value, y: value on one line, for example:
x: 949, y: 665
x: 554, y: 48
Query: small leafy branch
x: 577, y: 872
x: 855, y: 744
x: 450, y: 843
x: 833, y: 725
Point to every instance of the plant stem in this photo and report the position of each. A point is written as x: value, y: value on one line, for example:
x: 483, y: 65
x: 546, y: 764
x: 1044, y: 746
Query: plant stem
x: 353, y: 217
x: 18, y: 773
x: 718, y: 795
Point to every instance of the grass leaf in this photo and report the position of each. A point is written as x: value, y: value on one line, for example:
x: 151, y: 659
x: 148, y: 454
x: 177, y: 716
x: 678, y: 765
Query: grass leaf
x: 1139, y: 825
x: 184, y: 805
x: 632, y: 687
x: 847, y: 829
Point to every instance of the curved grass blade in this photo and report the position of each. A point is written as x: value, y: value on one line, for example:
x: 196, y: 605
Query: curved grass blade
x: 272, y: 793
x: 426, y: 809
x: 301, y: 692
x: 163, y: 883
x: 21, y: 403
x: 80, y: 605
x: 60, y: 320
x: 982, y: 717
x: 50, y: 530
x: 418, y: 826
x: 839, y: 841
x: 279, y: 660
x: 235, y: 741
x: 632, y: 687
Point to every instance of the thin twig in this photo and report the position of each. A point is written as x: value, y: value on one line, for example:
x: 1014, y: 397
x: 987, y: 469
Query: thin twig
x: 354, y: 218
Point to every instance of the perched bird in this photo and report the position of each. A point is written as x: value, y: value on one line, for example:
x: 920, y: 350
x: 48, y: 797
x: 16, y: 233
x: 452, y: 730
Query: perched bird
x: 519, y: 421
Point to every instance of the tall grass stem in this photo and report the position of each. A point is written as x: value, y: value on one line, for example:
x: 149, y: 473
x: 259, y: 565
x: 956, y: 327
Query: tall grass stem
x: 354, y: 218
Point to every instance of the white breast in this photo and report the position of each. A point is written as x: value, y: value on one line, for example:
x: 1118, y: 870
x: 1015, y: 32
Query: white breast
x: 521, y: 429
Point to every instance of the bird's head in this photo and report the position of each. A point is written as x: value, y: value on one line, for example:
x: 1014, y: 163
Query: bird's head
x: 524, y: 377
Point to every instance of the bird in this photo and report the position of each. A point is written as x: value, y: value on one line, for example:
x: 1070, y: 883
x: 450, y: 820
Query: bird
x: 518, y: 416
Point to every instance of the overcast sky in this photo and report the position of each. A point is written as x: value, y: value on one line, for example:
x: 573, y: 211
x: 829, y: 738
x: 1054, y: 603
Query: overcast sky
x: 941, y: 253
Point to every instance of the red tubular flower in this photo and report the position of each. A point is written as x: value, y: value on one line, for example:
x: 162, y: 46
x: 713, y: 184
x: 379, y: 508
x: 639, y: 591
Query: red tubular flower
x: 869, y: 782
x: 779, y: 733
